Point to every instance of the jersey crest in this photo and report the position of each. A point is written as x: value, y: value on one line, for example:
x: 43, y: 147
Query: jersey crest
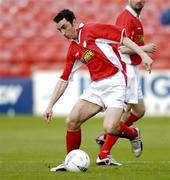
x: 140, y: 38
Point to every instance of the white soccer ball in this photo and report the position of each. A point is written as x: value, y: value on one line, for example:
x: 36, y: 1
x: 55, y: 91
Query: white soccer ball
x: 77, y: 161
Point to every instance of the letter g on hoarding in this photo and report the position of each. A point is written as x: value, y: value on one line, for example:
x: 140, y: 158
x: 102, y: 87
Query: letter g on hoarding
x: 160, y: 86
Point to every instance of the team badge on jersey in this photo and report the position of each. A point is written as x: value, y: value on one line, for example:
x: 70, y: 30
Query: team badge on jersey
x: 140, y: 38
x: 88, y: 54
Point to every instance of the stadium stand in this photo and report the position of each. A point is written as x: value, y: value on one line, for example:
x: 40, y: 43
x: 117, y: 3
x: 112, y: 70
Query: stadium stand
x: 29, y: 40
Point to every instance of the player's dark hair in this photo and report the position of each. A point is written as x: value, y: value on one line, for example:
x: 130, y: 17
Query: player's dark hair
x: 65, y: 13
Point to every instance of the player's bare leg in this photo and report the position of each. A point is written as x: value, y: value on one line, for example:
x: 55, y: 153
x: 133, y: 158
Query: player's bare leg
x: 82, y: 111
x: 139, y: 109
x: 112, y: 119
x: 114, y: 129
x: 133, y: 113
x: 111, y: 126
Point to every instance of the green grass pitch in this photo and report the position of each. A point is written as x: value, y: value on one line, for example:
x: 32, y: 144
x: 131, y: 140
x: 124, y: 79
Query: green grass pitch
x: 28, y: 146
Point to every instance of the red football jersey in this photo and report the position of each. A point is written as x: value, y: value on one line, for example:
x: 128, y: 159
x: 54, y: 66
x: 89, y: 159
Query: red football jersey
x: 128, y: 19
x: 94, y: 49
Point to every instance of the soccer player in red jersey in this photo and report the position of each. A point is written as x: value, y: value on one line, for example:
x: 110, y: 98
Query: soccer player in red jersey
x: 129, y: 19
x: 91, y: 45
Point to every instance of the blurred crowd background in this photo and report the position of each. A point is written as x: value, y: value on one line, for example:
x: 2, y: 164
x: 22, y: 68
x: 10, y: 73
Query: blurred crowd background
x: 29, y: 40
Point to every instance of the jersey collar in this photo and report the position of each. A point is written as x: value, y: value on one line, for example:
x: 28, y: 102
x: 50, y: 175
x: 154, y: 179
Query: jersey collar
x: 79, y: 29
x: 132, y: 11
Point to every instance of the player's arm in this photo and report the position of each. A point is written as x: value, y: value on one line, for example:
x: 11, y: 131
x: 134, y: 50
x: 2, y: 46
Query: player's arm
x: 70, y: 68
x: 146, y: 60
x: 148, y: 48
x: 127, y: 23
x: 57, y: 93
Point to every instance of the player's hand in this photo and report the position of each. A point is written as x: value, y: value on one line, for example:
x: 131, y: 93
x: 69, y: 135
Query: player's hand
x: 48, y: 115
x: 147, y: 61
x: 150, y: 48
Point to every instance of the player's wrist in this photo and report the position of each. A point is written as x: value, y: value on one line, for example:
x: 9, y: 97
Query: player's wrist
x: 50, y: 106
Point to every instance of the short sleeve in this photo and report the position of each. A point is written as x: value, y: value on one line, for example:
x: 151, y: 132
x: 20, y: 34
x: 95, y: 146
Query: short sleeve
x: 72, y: 65
x: 106, y: 31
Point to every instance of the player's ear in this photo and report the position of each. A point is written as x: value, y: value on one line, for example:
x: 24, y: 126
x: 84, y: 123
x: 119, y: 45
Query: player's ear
x: 74, y: 22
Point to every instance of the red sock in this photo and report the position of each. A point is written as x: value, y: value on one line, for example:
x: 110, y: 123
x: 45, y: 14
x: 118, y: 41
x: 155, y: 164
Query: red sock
x: 132, y: 118
x: 73, y: 140
x: 109, y: 142
x: 127, y: 132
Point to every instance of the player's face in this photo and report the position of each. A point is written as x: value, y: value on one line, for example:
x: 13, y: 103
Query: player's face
x: 137, y: 5
x: 67, y: 29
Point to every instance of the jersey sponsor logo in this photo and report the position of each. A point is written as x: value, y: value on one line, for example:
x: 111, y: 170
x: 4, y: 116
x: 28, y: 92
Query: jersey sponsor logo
x: 88, y: 54
x: 140, y: 38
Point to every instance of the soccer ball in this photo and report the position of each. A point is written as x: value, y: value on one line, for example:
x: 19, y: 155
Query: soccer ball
x: 77, y: 161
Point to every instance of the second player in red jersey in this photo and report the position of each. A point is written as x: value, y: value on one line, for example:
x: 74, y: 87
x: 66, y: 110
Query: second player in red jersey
x: 130, y: 21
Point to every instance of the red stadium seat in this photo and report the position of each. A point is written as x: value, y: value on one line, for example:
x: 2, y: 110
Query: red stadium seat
x: 29, y: 39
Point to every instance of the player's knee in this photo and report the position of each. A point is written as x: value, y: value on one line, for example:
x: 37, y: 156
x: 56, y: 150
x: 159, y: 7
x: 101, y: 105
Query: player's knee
x: 72, y: 124
x: 111, y: 129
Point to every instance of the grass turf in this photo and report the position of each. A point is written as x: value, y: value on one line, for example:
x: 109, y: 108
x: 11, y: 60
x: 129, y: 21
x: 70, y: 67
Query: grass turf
x: 28, y: 146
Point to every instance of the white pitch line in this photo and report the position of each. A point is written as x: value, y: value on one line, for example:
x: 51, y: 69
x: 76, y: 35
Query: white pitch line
x: 146, y: 162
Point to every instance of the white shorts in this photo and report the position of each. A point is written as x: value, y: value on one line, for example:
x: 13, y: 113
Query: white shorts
x: 108, y: 92
x: 133, y: 92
